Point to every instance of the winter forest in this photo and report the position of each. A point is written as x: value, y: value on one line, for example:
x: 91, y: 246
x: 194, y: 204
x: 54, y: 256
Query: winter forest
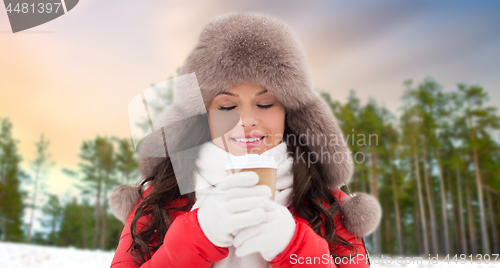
x: 432, y: 164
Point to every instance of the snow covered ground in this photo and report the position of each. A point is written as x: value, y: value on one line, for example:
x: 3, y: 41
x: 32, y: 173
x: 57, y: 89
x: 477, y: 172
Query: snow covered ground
x: 14, y: 255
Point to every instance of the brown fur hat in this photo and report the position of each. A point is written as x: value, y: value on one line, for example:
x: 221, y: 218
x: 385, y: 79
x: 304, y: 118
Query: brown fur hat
x: 361, y: 213
x: 123, y: 199
x: 257, y: 49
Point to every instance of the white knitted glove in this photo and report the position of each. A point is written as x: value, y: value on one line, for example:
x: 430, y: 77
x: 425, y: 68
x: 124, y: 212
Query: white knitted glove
x: 234, y: 204
x: 270, y: 237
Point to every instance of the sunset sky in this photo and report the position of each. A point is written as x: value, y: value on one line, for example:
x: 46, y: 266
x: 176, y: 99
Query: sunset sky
x: 72, y: 78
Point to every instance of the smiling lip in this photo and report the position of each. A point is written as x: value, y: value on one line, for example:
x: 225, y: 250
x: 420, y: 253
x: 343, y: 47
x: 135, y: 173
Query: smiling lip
x: 248, y: 136
x: 247, y: 144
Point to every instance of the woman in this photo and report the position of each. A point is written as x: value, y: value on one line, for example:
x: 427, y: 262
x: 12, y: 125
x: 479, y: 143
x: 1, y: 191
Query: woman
x: 250, y: 64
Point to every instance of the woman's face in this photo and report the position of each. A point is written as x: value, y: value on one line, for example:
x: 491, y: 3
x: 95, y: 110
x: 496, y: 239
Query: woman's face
x: 262, y: 119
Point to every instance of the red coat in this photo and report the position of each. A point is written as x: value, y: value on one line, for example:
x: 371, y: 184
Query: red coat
x: 185, y: 245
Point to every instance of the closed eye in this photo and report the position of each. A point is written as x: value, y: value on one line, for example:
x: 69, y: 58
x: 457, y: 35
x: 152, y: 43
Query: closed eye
x: 232, y: 107
x: 265, y: 106
x: 226, y: 108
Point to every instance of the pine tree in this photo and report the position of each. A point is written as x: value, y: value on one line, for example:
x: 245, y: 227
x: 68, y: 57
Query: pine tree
x: 371, y: 119
x: 432, y: 109
x: 11, y: 205
x: 97, y: 176
x: 39, y: 165
x: 107, y: 166
x: 126, y: 160
x: 74, y: 222
x: 411, y: 124
x: 52, y: 212
x: 479, y: 121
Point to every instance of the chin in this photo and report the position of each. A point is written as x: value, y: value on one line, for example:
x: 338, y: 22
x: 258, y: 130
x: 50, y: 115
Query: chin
x: 253, y: 151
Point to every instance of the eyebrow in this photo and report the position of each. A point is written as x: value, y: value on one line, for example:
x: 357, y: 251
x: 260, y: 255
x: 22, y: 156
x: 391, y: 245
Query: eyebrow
x: 236, y: 95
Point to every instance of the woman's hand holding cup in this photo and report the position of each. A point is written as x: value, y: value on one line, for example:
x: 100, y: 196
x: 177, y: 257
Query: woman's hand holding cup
x: 270, y: 237
x: 234, y: 204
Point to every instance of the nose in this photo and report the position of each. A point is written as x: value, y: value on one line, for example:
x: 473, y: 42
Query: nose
x: 248, y: 119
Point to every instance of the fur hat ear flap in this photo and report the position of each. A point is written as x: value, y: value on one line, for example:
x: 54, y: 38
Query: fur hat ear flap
x: 361, y: 213
x: 123, y: 199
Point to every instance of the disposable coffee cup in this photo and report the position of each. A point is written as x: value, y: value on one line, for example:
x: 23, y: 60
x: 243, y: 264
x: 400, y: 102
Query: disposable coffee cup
x: 265, y: 166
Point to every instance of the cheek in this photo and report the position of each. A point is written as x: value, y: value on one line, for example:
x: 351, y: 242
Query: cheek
x: 275, y: 121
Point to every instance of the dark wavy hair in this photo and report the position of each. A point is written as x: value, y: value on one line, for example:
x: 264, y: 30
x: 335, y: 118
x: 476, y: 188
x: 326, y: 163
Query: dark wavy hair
x: 309, y: 193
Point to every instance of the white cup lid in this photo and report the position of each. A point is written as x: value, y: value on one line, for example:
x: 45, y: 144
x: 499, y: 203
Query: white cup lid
x: 251, y: 161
